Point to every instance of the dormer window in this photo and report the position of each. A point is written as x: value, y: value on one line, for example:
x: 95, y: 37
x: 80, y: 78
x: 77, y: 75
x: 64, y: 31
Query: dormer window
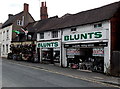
x: 73, y: 29
x: 19, y: 22
x: 98, y: 25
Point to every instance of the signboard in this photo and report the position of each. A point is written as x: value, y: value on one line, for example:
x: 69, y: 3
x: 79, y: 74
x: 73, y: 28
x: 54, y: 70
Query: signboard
x: 102, y: 44
x: 94, y: 35
x: 50, y: 44
x: 98, y: 52
x: 73, y: 51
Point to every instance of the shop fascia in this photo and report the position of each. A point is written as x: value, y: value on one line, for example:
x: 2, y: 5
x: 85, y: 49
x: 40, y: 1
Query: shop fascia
x: 50, y: 44
x: 94, y: 35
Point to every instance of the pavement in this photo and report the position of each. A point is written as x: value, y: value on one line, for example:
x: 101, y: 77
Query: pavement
x: 75, y: 73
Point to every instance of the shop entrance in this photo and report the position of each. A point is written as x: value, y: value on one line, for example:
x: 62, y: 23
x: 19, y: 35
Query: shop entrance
x: 50, y: 55
x: 47, y: 55
x: 86, y: 58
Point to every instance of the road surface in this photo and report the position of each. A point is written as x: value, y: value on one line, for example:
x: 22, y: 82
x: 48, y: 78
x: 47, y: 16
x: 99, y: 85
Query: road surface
x: 18, y: 75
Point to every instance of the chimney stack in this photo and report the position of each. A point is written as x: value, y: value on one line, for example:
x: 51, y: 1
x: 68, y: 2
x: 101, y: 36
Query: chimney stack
x: 26, y: 7
x: 43, y: 11
x: 10, y: 15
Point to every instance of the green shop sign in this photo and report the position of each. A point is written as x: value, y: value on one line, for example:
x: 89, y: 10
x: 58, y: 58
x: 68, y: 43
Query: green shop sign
x: 48, y: 44
x: 85, y: 36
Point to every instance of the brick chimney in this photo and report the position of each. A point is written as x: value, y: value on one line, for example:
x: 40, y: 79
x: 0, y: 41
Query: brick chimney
x: 26, y: 7
x: 43, y: 11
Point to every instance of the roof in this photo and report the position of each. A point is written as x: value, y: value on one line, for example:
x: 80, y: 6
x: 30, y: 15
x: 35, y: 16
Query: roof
x: 90, y: 16
x: 43, y: 25
x: 69, y: 20
x: 12, y: 19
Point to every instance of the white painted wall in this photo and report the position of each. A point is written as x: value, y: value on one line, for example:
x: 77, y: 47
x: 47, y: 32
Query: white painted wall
x: 87, y: 28
x: 48, y: 36
x: 6, y: 41
x: 0, y: 41
x: 107, y: 52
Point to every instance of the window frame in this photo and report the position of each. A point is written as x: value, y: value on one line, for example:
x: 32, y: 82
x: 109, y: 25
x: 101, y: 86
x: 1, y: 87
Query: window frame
x: 19, y: 22
x: 73, y: 29
x: 54, y: 34
x: 42, y: 35
x: 98, y: 25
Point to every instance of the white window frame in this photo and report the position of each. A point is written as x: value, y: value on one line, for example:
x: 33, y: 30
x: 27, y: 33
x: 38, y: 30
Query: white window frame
x: 54, y: 34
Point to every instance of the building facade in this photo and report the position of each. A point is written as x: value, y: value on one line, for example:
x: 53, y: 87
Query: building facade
x: 89, y: 39
x: 12, y: 30
x: 0, y: 37
x: 49, y: 47
x: 87, y: 44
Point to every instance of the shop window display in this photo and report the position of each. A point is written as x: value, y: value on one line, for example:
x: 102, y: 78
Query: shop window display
x: 50, y: 56
x: 86, y: 58
x: 23, y: 52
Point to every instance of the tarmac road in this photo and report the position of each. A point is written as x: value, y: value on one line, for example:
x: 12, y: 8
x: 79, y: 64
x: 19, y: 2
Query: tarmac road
x: 17, y: 75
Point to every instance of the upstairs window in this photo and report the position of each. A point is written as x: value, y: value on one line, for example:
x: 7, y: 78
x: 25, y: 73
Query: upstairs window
x: 7, y: 34
x: 19, y: 22
x: 54, y: 34
x: 41, y: 35
x: 98, y: 25
x: 3, y: 35
x: 73, y: 29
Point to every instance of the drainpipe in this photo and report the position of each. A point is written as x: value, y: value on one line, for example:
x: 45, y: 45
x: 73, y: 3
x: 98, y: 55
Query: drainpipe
x: 61, y: 48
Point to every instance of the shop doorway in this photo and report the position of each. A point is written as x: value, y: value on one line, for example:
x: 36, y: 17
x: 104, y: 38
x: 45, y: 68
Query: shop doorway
x: 86, y: 58
x: 92, y: 59
x: 50, y: 55
x: 47, y: 55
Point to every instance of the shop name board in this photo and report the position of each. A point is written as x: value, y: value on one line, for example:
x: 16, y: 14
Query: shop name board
x: 102, y: 44
x: 85, y: 36
x: 48, y: 44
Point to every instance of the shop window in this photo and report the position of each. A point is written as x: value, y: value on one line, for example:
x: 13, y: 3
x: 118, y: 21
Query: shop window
x: 98, y: 25
x: 3, y: 48
x: 54, y: 34
x: 73, y: 29
x: 7, y: 48
x: 41, y: 35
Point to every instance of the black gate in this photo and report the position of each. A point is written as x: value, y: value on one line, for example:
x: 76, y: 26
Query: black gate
x: 115, y: 63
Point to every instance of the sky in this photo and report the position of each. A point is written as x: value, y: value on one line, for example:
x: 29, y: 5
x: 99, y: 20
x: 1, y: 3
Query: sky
x: 55, y: 7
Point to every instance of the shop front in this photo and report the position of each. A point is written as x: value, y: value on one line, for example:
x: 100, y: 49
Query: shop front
x: 49, y: 52
x: 87, y: 56
x: 86, y: 51
x: 24, y: 51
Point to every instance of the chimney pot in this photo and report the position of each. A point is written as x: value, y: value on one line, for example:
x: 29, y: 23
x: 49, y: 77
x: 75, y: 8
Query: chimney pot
x: 26, y: 7
x: 42, y: 3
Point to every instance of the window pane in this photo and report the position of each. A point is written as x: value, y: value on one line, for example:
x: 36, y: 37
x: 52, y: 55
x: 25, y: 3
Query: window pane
x: 54, y: 34
x: 41, y: 35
